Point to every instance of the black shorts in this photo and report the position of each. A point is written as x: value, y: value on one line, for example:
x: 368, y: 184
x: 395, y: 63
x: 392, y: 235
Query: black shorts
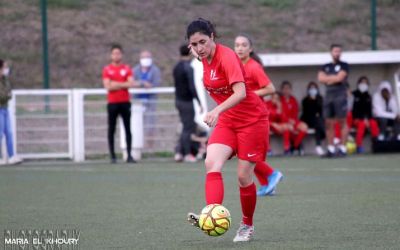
x: 335, y: 106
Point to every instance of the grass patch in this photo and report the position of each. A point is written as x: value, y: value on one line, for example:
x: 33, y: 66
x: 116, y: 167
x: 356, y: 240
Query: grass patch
x: 277, y: 4
x: 200, y: 2
x: 66, y: 4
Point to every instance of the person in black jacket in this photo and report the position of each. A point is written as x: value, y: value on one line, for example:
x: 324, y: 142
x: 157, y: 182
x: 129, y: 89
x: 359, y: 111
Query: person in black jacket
x: 185, y: 92
x: 362, y: 113
x: 312, y: 114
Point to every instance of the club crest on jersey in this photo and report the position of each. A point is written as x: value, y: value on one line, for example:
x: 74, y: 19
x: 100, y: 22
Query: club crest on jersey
x: 122, y: 72
x: 337, y: 68
x: 213, y: 75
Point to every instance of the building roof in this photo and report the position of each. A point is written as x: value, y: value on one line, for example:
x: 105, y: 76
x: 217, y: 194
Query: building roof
x: 320, y: 58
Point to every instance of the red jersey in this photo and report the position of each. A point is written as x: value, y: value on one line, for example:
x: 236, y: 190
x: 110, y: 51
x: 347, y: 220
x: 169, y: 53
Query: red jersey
x: 256, y: 78
x: 117, y: 73
x: 274, y: 115
x: 225, y: 70
x: 290, y: 107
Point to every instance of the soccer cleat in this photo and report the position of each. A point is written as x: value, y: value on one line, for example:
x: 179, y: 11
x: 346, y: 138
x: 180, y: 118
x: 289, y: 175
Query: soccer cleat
x: 193, y: 219
x: 130, y: 160
x: 273, y: 192
x: 381, y: 137
x: 244, y: 233
x: 360, y: 150
x: 273, y: 181
x: 113, y: 160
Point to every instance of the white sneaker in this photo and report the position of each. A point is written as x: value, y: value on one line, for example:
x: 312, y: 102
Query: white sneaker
x: 319, y: 150
x: 398, y: 137
x: 189, y: 158
x: 381, y: 137
x: 14, y: 160
x: 244, y: 233
x: 178, y: 157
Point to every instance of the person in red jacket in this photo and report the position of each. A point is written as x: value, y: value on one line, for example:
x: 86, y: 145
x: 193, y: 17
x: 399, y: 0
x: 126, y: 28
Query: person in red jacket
x: 259, y: 82
x: 239, y: 119
x: 279, y: 122
x: 290, y: 107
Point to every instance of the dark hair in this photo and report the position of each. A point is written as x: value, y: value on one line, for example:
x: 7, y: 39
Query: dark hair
x: 286, y: 83
x: 252, y: 53
x: 201, y: 25
x: 335, y: 45
x: 184, y: 50
x: 116, y: 46
x: 312, y: 84
x: 1, y: 63
x: 362, y: 78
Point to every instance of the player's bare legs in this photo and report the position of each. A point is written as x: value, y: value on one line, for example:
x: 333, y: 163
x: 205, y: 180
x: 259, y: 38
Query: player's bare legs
x: 217, y: 155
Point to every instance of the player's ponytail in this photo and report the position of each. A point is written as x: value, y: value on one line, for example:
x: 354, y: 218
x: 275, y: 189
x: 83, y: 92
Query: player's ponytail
x: 202, y: 26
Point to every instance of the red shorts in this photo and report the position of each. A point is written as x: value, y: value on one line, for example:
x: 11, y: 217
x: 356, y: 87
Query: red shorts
x: 248, y: 143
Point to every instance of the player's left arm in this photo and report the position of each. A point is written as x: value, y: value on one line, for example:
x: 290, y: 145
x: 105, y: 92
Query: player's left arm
x: 267, y: 90
x: 239, y: 93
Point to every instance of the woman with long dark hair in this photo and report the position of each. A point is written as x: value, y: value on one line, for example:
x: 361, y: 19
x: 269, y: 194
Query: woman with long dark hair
x: 238, y: 120
x: 258, y: 82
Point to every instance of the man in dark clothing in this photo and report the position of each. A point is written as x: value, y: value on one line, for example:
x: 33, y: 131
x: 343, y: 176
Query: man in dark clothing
x: 185, y: 92
x: 334, y: 76
x: 362, y: 112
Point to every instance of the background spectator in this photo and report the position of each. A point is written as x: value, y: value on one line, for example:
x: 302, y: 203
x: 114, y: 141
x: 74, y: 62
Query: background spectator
x: 312, y: 114
x: 278, y: 120
x: 117, y: 79
x: 334, y: 76
x: 290, y: 107
x: 185, y: 93
x: 149, y: 76
x: 362, y: 112
x: 386, y: 111
x: 5, y: 122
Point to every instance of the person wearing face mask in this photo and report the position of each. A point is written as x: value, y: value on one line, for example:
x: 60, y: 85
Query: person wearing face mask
x: 362, y: 113
x: 312, y: 115
x: 5, y: 121
x: 149, y: 76
x: 385, y: 111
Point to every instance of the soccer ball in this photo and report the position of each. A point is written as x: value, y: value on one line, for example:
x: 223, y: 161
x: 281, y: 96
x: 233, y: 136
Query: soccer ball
x: 215, y: 220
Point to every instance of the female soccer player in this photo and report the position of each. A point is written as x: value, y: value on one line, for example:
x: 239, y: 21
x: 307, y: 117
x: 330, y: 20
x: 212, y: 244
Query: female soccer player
x: 259, y: 82
x: 239, y: 119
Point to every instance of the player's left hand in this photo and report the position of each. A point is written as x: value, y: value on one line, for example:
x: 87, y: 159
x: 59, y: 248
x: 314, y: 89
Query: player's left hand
x: 211, y: 118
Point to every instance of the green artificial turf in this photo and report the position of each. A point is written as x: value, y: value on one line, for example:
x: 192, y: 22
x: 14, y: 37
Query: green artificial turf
x: 351, y: 203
